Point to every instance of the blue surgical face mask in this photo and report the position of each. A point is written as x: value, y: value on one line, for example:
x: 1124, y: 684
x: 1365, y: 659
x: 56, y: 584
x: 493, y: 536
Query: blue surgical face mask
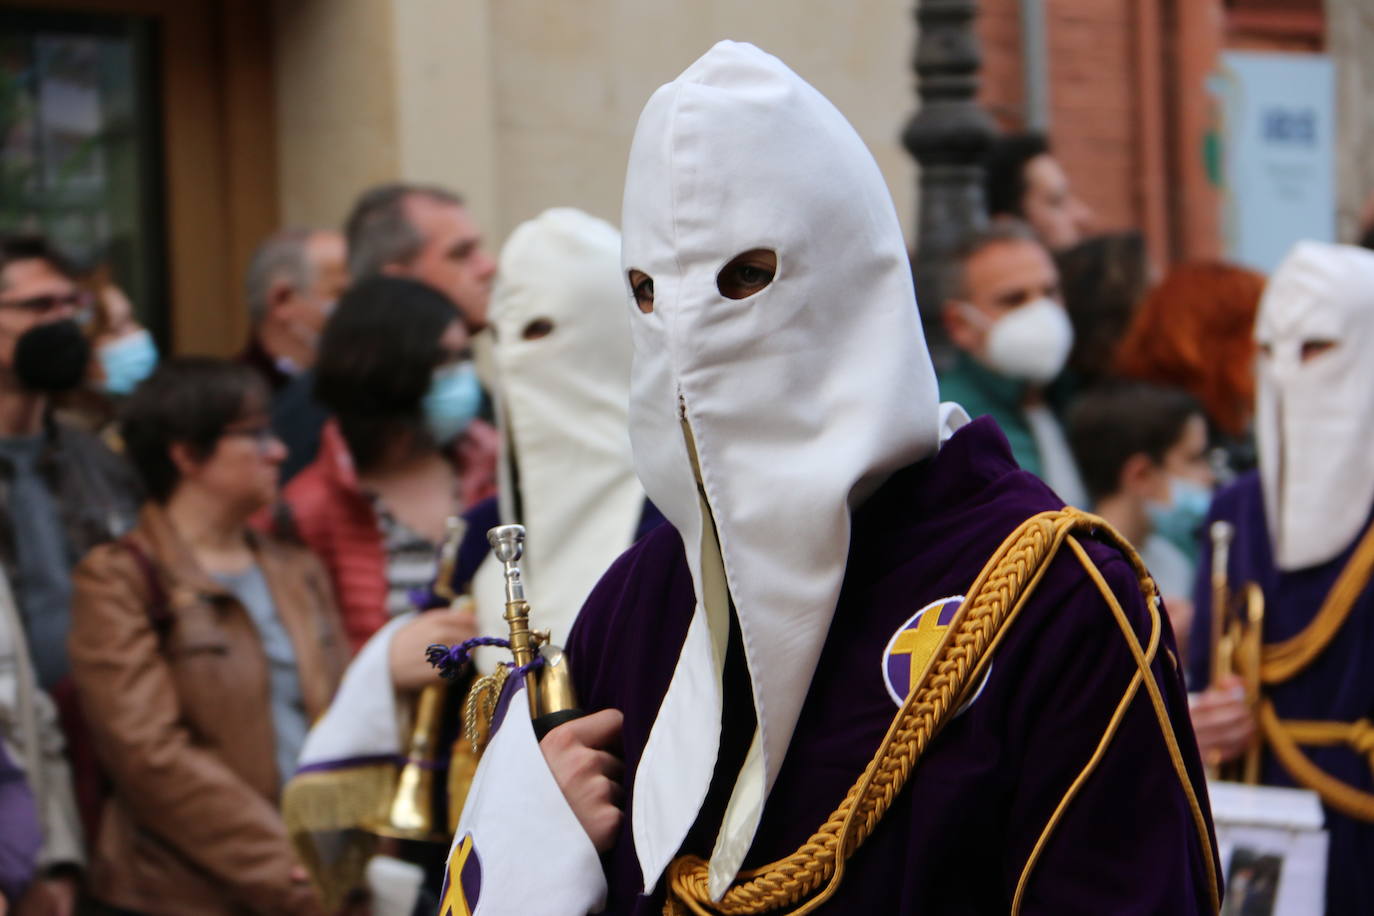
x: 453, y: 400
x: 1180, y: 520
x: 127, y: 361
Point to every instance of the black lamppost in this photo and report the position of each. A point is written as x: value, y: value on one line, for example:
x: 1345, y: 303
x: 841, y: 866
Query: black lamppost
x: 948, y: 135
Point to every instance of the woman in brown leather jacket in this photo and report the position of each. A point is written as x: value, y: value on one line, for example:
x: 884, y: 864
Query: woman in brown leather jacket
x: 201, y: 651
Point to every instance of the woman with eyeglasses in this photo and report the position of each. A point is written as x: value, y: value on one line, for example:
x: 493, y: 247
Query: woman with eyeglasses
x: 201, y: 651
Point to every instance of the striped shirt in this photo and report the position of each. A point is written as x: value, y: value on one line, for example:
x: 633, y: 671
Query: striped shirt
x: 411, y: 560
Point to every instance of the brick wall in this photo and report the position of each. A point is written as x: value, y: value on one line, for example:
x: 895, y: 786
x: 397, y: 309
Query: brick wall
x: 1128, y: 108
x: 1092, y: 88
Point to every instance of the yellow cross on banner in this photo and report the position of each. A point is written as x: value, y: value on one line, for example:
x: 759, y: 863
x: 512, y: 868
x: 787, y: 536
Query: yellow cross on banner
x: 455, y: 902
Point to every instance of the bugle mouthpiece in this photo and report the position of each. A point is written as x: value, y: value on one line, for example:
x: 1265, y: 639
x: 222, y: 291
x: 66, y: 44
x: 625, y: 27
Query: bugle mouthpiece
x: 507, y: 542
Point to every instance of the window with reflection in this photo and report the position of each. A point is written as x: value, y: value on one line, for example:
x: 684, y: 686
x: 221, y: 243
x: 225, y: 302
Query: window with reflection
x: 79, y: 146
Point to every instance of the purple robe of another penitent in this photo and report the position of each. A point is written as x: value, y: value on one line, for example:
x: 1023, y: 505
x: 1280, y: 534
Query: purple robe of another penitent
x: 957, y: 837
x: 1338, y: 686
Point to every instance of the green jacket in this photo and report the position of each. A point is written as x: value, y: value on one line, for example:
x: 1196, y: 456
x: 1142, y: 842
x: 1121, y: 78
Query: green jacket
x: 981, y: 391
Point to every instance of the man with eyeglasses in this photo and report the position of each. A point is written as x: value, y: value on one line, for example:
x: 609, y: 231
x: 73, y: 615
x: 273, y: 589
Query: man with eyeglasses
x: 61, y: 490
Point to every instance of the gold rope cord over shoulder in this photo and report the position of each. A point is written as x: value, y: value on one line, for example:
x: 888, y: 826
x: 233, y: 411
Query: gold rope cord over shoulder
x: 806, y: 879
x: 1281, y: 661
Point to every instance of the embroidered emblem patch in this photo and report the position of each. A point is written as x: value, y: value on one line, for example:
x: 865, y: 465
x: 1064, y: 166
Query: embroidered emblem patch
x: 462, y: 880
x: 911, y: 647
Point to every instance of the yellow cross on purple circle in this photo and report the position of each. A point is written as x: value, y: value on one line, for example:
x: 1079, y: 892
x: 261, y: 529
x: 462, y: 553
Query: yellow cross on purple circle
x: 915, y: 641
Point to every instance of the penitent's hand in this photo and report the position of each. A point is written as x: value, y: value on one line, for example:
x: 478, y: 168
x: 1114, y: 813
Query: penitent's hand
x: 410, y: 670
x: 579, y: 755
x: 54, y: 895
x: 1223, y: 722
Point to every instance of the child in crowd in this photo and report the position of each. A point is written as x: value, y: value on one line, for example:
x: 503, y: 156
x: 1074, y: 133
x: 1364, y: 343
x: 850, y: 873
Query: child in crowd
x: 1142, y: 451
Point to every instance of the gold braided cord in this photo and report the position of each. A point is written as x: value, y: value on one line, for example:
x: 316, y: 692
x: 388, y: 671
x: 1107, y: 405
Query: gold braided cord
x: 995, y: 599
x: 1281, y: 660
x: 1284, y: 737
x: 1358, y: 735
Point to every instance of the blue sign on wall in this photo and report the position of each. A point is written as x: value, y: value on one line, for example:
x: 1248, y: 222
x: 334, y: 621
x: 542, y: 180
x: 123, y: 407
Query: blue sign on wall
x: 1279, y: 153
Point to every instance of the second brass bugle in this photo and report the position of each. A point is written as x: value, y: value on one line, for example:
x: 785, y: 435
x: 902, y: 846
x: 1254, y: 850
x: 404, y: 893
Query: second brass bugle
x: 1222, y: 533
x: 1237, y: 630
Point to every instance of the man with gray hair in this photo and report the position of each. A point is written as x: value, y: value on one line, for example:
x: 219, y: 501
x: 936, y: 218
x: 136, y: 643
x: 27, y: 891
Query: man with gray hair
x: 424, y: 232
x: 1007, y: 320
x: 292, y: 282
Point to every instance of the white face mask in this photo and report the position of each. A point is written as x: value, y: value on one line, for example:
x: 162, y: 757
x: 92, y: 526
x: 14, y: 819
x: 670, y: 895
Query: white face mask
x: 724, y: 161
x: 1314, y: 418
x: 1031, y: 342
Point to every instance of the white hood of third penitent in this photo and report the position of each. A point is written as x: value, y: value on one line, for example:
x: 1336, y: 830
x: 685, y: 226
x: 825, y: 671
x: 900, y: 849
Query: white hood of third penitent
x: 1314, y: 418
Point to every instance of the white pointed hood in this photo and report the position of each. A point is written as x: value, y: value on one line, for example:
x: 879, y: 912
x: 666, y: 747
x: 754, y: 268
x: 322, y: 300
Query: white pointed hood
x: 1315, y: 419
x: 801, y: 399
x: 562, y: 358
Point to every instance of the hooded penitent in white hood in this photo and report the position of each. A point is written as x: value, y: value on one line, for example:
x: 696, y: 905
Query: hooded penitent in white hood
x: 801, y: 399
x: 1314, y: 419
x: 562, y: 358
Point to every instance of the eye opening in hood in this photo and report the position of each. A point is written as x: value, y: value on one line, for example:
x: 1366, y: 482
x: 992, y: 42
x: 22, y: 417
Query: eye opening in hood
x: 747, y: 273
x: 539, y: 327
x: 1311, y: 349
x: 642, y: 288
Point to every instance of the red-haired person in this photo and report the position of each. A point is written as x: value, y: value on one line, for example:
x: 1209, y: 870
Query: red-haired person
x: 1195, y: 331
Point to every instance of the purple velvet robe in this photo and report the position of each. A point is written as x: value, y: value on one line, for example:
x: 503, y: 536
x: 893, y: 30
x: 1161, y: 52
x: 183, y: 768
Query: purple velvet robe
x: 1337, y: 686
x: 957, y: 836
x: 21, y: 835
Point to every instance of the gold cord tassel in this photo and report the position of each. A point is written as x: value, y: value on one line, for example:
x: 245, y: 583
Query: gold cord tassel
x: 480, y: 707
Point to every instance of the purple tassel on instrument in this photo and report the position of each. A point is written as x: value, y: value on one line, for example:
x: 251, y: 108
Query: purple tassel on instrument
x: 452, y: 661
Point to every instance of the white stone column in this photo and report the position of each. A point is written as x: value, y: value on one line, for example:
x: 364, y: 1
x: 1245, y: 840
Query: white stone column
x: 1350, y: 38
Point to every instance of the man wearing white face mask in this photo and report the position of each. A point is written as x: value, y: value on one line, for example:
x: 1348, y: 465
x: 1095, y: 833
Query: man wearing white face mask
x: 763, y: 676
x: 1013, y: 335
x: 1302, y: 533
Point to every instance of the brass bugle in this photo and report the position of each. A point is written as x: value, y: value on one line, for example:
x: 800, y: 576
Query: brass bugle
x: 552, y: 698
x: 411, y: 814
x: 413, y: 811
x: 1237, y: 627
x: 1222, y: 533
